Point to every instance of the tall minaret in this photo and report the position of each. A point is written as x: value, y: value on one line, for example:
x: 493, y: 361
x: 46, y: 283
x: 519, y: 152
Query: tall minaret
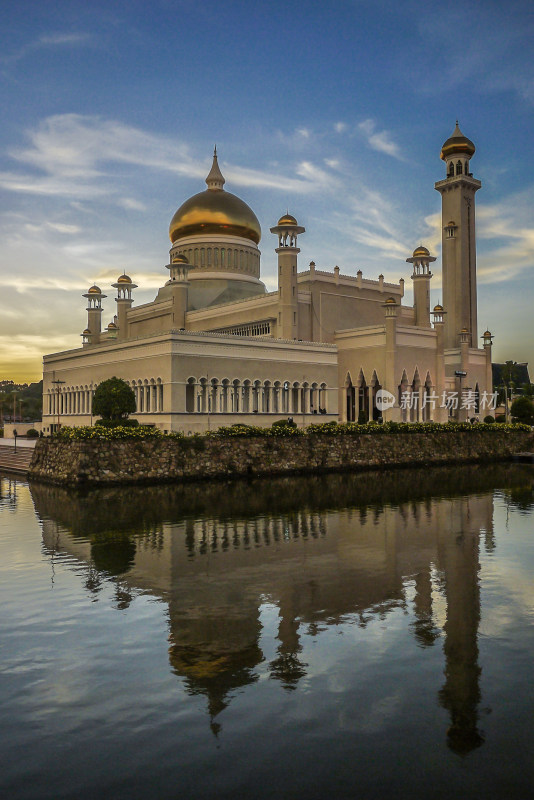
x: 421, y: 276
x: 94, y: 315
x: 458, y: 240
x: 287, y: 231
x: 124, y: 300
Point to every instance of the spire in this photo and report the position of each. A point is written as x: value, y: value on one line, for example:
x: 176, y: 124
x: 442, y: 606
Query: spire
x: 215, y: 178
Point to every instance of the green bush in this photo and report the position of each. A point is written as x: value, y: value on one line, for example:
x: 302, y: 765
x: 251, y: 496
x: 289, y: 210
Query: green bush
x: 489, y: 420
x: 32, y: 433
x: 117, y: 423
x: 363, y: 417
x: 284, y: 423
x: 327, y: 428
x: 500, y: 418
x: 522, y: 410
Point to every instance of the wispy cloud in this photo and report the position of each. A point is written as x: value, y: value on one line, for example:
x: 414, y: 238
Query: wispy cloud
x: 50, y: 40
x: 379, y: 140
x: 81, y: 156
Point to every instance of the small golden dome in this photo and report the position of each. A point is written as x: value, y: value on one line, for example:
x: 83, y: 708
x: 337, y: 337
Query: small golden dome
x: 94, y: 290
x: 438, y: 308
x: 112, y: 326
x: 457, y: 144
x: 420, y: 252
x: 464, y: 330
x: 487, y: 334
x: 287, y: 219
x: 215, y: 212
x: 124, y: 279
x: 180, y: 259
x: 391, y: 301
x: 451, y: 224
x: 86, y: 332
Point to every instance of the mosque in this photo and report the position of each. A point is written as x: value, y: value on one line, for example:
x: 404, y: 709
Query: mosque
x: 215, y: 348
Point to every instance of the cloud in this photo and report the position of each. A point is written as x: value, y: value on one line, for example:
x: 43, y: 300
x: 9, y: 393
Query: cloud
x: 48, y: 41
x: 54, y: 39
x: 132, y: 204
x: 506, y: 238
x: 82, y: 156
x: 340, y: 127
x: 379, y: 140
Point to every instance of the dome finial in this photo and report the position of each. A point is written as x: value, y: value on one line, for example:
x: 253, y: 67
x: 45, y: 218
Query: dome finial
x: 215, y: 178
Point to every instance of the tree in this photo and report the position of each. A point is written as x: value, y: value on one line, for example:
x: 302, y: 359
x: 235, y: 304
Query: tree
x: 113, y: 400
x: 523, y: 410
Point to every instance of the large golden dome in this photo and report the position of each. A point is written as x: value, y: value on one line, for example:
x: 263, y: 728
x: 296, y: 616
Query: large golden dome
x: 457, y: 143
x: 214, y: 212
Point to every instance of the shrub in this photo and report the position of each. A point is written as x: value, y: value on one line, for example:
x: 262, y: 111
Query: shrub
x: 116, y: 423
x: 113, y: 399
x: 32, y: 433
x: 500, y: 418
x: 522, y: 410
x: 362, y: 417
x: 284, y: 423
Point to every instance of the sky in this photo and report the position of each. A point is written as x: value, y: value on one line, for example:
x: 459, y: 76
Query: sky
x: 334, y: 111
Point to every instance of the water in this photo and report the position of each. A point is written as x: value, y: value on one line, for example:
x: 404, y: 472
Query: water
x: 363, y: 636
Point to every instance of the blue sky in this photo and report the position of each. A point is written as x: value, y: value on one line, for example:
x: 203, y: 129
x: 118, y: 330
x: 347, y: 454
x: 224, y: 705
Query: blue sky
x: 337, y: 111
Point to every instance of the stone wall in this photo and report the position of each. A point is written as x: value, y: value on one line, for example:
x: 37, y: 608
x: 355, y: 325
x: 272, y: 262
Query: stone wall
x: 95, y: 462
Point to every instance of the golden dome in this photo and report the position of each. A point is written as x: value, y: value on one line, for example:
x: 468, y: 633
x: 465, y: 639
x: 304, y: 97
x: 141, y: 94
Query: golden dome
x: 215, y: 212
x: 287, y: 219
x: 94, y: 290
x: 86, y: 332
x: 391, y: 301
x: 420, y: 251
x: 124, y: 279
x: 438, y: 308
x: 180, y: 259
x: 112, y: 326
x: 486, y: 335
x: 457, y: 144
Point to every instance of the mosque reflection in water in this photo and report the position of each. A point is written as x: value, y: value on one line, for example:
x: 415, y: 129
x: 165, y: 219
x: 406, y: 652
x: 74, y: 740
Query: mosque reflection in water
x: 324, y: 551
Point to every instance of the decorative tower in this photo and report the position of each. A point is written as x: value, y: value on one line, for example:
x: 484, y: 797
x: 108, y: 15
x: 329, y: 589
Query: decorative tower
x: 124, y: 301
x: 91, y: 335
x: 287, y: 231
x: 458, y: 239
x: 179, y: 283
x: 421, y: 276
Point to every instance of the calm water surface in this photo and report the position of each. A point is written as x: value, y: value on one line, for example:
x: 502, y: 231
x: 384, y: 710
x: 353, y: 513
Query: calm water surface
x: 361, y: 636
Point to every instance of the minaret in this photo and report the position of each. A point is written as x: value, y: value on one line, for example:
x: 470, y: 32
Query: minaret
x: 94, y: 315
x: 421, y: 276
x: 458, y: 239
x: 287, y: 231
x: 179, y: 283
x: 124, y: 301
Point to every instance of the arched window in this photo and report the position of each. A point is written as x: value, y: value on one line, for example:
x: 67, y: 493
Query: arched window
x: 323, y: 399
x: 190, y: 395
x: 285, y: 398
x: 216, y: 256
x: 235, y: 396
x: 276, y: 397
x: 202, y: 257
x: 224, y: 395
x: 246, y: 397
x: 451, y: 169
x: 209, y: 256
x: 459, y: 168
